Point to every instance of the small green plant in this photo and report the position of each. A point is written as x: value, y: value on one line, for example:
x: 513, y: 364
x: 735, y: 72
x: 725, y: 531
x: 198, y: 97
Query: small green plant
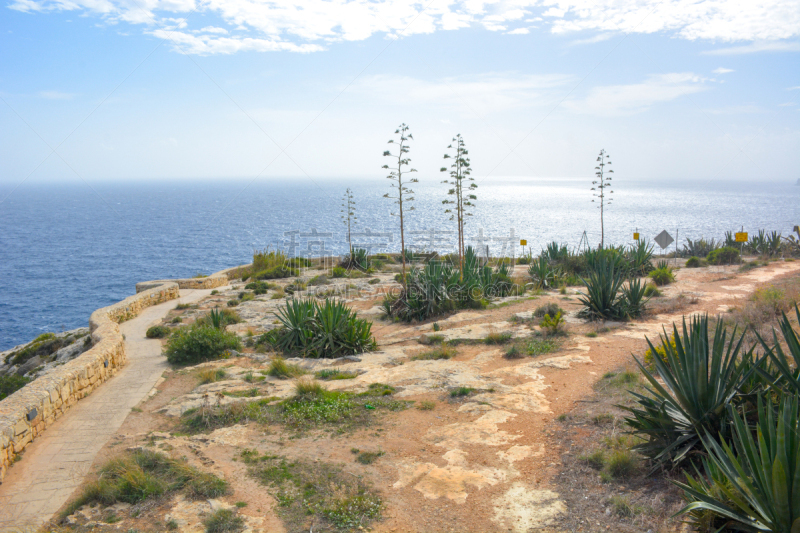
x: 426, y: 405
x: 339, y: 272
x: 309, y: 387
x: 460, y: 392
x: 181, y: 307
x: 157, y: 332
x: 171, y: 524
x: 552, y: 325
x: 427, y: 340
x: 224, y: 521
x: 592, y: 334
x: 547, y: 309
x: 241, y: 505
x: 693, y: 262
x: 514, y: 353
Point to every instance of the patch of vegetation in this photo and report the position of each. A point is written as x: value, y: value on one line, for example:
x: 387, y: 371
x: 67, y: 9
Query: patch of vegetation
x: 541, y: 346
x: 460, y: 392
x: 513, y: 353
x: 427, y: 340
x: 442, y: 351
x: 10, y: 383
x: 663, y: 275
x: 279, y: 368
x: 651, y: 291
x: 322, y: 330
x: 44, y: 345
x: 615, y: 458
x: 726, y: 255
x: 249, y: 393
x: 312, y: 407
x: 195, y: 344
x: 426, y: 405
x: 182, y: 307
x: 219, y: 318
x: 367, y: 458
x: 335, y: 373
x: 439, y: 288
x: 224, y: 521
x: 140, y: 475
x: 547, y: 309
x: 315, y: 493
x: 693, y: 262
x: 211, y: 375
x: 498, y: 337
x: 157, y: 332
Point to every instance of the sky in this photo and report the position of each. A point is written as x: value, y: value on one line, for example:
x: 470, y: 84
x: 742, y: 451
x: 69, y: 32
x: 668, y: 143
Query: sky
x: 94, y: 90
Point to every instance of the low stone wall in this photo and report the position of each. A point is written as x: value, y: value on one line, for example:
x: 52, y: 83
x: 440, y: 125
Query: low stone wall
x: 218, y: 279
x: 25, y: 414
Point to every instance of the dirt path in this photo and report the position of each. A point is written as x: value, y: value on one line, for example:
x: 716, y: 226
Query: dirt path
x: 55, y: 464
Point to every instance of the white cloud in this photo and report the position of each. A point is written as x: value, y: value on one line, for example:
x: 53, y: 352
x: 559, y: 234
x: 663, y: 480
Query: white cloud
x: 722, y: 70
x: 592, y: 40
x: 308, y: 25
x: 519, y: 31
x: 774, y: 46
x: 617, y: 100
x: 480, y: 94
x: 55, y: 95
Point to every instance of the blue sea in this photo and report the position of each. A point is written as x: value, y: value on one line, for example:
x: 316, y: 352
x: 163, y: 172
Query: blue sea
x: 68, y: 249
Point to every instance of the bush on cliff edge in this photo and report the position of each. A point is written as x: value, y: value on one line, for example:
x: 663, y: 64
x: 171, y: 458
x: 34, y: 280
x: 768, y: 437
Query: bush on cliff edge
x: 199, y: 343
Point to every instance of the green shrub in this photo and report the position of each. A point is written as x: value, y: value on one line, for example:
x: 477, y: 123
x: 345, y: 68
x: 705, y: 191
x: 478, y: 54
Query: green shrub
x: 199, y: 343
x: 335, y: 374
x: 211, y: 375
x: 651, y: 291
x: 513, y: 353
x: 693, y: 262
x: 339, y: 272
x: 44, y: 345
x: 322, y: 330
x: 662, y: 276
x: 498, y: 337
x: 357, y: 259
x: 10, y: 383
x: 724, y: 256
x: 602, y: 297
x: 542, y: 274
x: 157, y: 332
x: 460, y: 392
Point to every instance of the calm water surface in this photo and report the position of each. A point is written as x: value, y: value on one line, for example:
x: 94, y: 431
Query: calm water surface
x: 66, y: 250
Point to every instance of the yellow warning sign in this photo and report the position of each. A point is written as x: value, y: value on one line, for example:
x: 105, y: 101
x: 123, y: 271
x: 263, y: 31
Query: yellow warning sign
x: 741, y: 236
x: 523, y: 242
x: 636, y: 236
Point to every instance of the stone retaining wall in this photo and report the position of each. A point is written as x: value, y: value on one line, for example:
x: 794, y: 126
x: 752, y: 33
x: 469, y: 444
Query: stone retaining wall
x: 25, y: 414
x: 218, y: 279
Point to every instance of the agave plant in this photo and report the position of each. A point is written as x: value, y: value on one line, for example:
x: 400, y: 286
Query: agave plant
x: 634, y: 302
x: 602, y: 298
x: 555, y: 252
x: 322, y: 330
x: 356, y: 259
x: 639, y: 257
x: 758, y: 242
x: 730, y: 240
x: 700, y: 247
x: 773, y: 244
x: 542, y: 274
x: 701, y: 377
x: 754, y: 483
x: 787, y: 378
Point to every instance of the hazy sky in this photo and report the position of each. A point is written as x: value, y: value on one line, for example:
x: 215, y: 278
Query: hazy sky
x: 313, y: 89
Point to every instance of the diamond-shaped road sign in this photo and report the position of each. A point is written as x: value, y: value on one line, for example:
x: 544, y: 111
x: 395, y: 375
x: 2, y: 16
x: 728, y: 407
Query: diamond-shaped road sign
x: 664, y: 239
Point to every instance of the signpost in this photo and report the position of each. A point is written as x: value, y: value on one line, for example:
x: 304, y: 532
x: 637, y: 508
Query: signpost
x: 523, y: 242
x: 664, y: 239
x: 741, y: 236
x: 635, y: 235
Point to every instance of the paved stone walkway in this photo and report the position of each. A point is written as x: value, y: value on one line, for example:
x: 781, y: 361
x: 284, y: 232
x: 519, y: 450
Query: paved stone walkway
x: 55, y: 464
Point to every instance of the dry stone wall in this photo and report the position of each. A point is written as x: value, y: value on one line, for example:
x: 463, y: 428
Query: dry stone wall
x: 218, y: 279
x: 25, y: 414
